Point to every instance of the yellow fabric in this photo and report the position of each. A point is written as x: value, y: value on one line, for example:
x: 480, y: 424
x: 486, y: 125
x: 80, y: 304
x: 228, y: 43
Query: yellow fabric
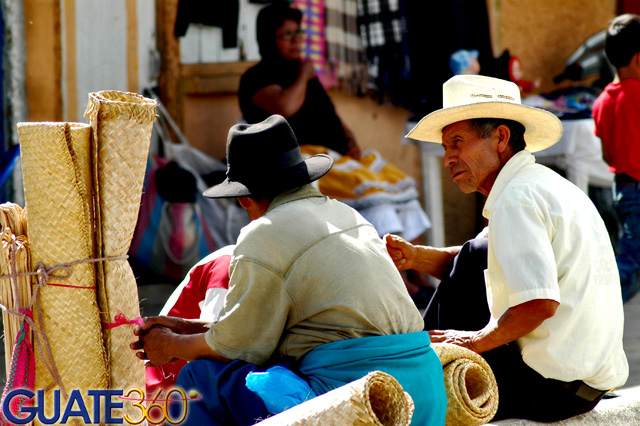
x: 363, y: 182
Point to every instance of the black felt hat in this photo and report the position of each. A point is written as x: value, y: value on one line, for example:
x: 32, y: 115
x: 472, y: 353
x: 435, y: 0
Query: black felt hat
x: 264, y: 160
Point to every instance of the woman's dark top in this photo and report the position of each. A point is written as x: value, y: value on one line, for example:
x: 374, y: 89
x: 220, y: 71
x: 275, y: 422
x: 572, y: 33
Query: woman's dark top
x: 316, y: 123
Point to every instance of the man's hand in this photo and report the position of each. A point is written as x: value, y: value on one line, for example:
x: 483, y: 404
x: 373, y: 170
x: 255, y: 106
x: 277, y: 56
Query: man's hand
x: 155, y: 345
x: 466, y: 339
x: 177, y: 325
x: 402, y: 252
x: 429, y: 260
x: 164, y: 339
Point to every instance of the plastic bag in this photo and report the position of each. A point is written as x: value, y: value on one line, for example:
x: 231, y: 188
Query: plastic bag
x: 279, y: 388
x: 171, y: 234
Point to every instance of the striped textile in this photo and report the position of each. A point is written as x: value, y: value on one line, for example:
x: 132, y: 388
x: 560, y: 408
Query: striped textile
x: 313, y: 25
x: 365, y: 182
x: 383, y: 29
x: 345, y: 52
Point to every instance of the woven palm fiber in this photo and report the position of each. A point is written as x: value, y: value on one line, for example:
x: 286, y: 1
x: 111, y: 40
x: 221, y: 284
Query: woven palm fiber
x: 472, y: 391
x: 377, y: 399
x: 57, y: 189
x: 121, y: 123
x: 14, y: 258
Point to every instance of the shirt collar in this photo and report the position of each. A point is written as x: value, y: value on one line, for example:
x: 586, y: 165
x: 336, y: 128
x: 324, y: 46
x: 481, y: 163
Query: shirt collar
x: 305, y: 191
x: 513, y: 166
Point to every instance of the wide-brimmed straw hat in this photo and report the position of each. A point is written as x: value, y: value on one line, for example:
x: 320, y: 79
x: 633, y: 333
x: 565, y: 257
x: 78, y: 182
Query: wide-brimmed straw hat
x: 264, y: 160
x: 477, y: 96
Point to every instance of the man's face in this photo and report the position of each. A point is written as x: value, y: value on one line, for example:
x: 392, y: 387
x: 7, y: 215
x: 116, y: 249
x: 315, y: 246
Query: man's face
x: 474, y: 162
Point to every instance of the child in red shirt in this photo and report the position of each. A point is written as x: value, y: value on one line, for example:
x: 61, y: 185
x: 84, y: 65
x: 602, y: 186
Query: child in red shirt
x: 616, y: 113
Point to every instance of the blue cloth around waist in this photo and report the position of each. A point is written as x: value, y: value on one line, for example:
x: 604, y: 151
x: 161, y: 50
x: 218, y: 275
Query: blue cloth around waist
x: 409, y: 358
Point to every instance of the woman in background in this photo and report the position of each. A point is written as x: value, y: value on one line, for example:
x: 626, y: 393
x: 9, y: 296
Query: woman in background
x: 284, y: 83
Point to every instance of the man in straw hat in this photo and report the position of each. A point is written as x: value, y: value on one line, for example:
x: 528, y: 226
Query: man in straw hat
x: 311, y: 283
x: 539, y: 298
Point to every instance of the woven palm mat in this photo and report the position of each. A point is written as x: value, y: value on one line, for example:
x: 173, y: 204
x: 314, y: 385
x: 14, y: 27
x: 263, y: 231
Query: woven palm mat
x: 57, y: 189
x: 377, y: 399
x: 121, y: 123
x: 472, y: 391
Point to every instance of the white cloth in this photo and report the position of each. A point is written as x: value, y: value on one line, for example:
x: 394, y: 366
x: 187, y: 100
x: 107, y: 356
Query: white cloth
x: 213, y: 302
x: 579, y: 154
x: 407, y: 220
x: 547, y: 241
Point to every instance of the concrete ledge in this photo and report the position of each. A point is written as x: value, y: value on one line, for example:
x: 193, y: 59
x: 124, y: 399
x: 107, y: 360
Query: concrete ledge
x: 624, y: 410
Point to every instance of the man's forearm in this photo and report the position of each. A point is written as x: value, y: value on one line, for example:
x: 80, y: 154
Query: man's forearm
x: 515, y: 323
x: 160, y: 345
x: 433, y: 261
x: 191, y: 347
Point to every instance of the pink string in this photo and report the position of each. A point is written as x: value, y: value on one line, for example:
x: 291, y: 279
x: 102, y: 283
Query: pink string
x: 120, y: 319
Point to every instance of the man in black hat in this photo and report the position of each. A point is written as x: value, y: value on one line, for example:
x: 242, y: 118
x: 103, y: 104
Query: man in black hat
x: 311, y: 283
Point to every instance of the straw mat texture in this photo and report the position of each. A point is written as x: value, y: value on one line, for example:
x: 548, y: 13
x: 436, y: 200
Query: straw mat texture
x: 14, y: 259
x: 121, y: 123
x: 472, y: 391
x: 376, y: 399
x: 57, y: 190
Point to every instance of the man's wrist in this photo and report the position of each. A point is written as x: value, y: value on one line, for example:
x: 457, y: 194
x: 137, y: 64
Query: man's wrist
x: 485, y: 340
x: 478, y: 344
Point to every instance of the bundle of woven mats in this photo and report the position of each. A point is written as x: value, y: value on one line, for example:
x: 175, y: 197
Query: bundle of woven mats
x: 82, y: 187
x: 377, y: 399
x: 472, y: 391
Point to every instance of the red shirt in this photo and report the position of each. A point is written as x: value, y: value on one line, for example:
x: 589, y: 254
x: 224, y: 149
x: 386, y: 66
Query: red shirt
x: 203, y: 277
x: 616, y: 113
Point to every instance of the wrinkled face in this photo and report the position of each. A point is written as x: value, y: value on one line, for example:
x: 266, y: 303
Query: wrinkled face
x: 474, y: 162
x: 289, y: 40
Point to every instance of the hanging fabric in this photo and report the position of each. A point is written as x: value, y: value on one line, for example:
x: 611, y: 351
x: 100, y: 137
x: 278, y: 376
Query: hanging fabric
x: 345, y: 52
x: 221, y: 13
x: 314, y: 44
x: 382, y: 29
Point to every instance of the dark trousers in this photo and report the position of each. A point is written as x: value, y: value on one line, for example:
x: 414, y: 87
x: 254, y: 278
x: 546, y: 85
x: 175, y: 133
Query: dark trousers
x: 225, y: 400
x: 460, y: 303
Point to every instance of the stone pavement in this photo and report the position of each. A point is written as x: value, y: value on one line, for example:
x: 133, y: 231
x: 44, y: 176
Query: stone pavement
x: 632, y: 341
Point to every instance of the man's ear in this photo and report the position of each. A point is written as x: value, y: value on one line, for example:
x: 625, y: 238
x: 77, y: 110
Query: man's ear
x: 504, y: 135
x: 245, y: 202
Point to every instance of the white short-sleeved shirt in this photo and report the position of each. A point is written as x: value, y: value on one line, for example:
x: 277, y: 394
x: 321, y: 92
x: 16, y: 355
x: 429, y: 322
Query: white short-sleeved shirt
x: 548, y: 241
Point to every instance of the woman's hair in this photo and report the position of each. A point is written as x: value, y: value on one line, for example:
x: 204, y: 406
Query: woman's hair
x: 484, y: 127
x: 623, y: 39
x: 270, y: 18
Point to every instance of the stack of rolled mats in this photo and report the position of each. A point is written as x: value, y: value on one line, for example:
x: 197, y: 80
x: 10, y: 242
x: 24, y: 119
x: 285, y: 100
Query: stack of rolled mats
x: 82, y: 187
x: 377, y: 399
x: 472, y: 391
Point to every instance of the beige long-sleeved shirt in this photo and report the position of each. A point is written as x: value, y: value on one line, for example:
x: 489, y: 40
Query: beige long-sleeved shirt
x: 310, y: 271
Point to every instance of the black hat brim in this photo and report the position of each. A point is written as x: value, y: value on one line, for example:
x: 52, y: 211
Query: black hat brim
x: 308, y: 171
